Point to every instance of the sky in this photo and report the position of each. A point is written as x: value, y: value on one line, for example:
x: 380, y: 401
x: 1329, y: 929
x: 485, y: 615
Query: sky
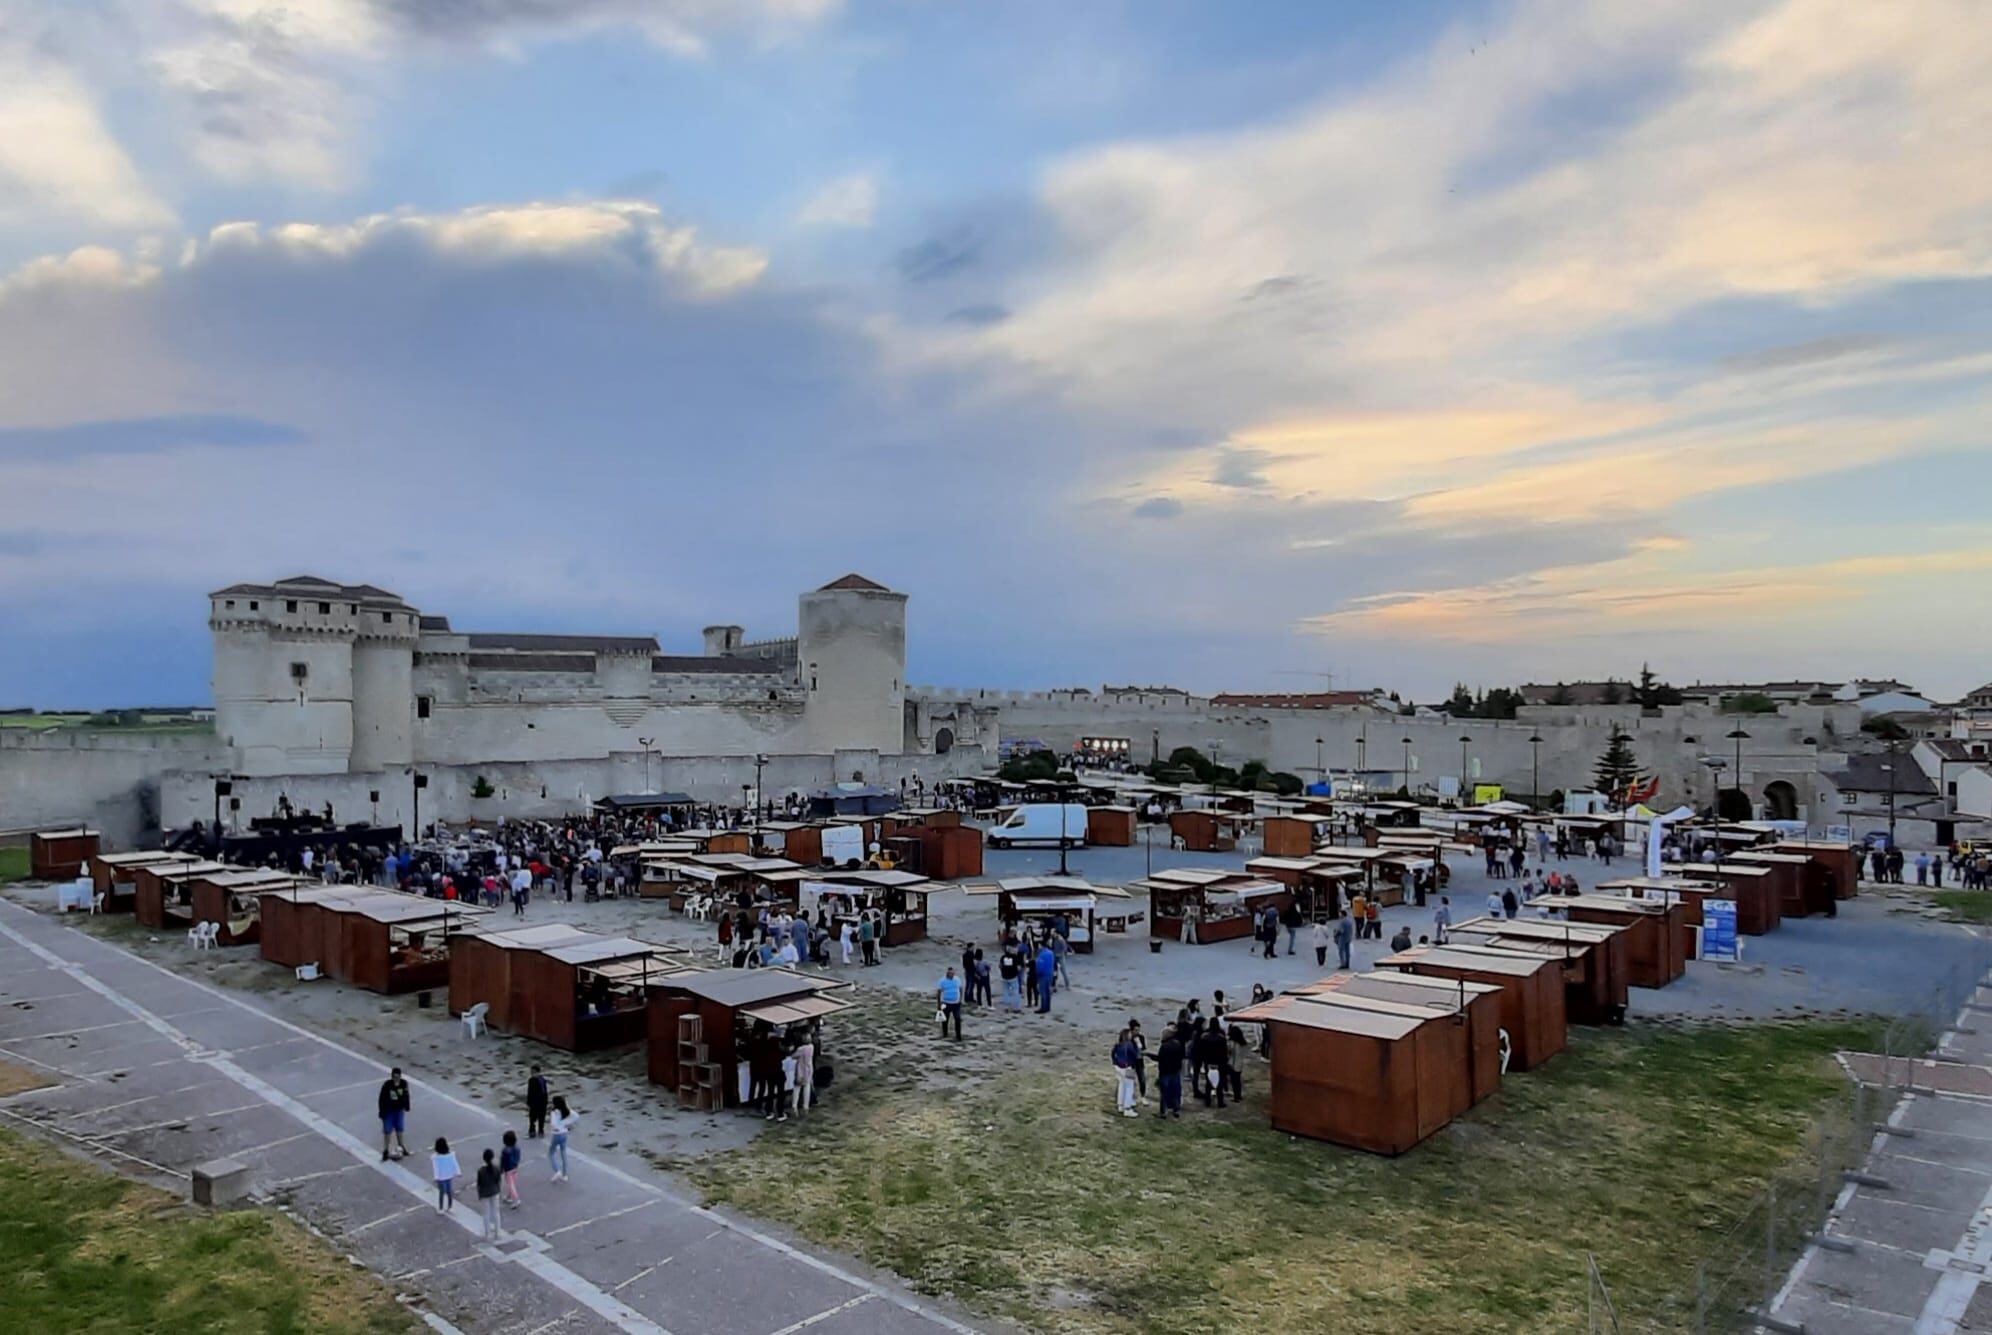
x: 1228, y: 347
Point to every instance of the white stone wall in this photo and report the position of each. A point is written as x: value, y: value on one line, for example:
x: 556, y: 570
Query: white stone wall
x: 383, y: 703
x: 108, y: 780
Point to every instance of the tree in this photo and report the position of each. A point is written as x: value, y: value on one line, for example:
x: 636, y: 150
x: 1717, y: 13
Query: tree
x: 1614, y: 692
x: 1618, y: 768
x: 1561, y: 695
x: 1460, y: 705
x: 1749, y: 702
x: 1030, y: 766
x: 1653, y: 692
x: 1501, y: 702
x: 482, y: 787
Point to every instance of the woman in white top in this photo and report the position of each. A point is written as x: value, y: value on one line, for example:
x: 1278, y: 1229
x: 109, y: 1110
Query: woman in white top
x: 847, y: 940
x: 557, y: 1125
x: 443, y: 1167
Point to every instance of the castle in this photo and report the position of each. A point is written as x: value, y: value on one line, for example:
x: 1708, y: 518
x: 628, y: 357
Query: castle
x: 314, y: 677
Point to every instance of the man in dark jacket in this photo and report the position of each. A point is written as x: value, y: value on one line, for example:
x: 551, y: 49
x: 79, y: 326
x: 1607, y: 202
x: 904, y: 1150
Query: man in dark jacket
x: 1212, y: 1055
x: 536, y: 1098
x: 1291, y: 920
x: 393, y: 1105
x: 1169, y: 1074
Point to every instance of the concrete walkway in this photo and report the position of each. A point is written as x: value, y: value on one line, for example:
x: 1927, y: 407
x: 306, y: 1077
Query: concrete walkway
x: 1908, y: 1249
x: 159, y: 1073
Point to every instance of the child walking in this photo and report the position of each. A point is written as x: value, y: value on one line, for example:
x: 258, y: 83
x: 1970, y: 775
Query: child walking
x: 556, y: 1146
x: 443, y: 1167
x: 508, y: 1168
x: 487, y: 1196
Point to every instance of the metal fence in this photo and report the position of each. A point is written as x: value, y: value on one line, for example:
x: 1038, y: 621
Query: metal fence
x: 1740, y: 1270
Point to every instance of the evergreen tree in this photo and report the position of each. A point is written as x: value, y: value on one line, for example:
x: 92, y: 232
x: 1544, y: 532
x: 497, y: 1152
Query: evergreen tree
x: 1561, y: 695
x: 1614, y: 692
x: 1617, y: 769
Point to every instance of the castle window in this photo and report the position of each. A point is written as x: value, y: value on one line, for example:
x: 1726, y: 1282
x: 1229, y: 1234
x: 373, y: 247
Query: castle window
x: 231, y: 602
x: 422, y: 706
x: 354, y: 608
x: 299, y: 671
x: 325, y: 607
x: 290, y: 604
x: 252, y: 604
x: 387, y: 618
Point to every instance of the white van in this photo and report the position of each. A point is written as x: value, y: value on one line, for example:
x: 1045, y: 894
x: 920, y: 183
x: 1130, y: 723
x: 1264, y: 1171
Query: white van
x: 1055, y: 823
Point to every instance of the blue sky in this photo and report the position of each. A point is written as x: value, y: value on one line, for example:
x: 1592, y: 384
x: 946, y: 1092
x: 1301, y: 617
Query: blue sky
x: 1178, y: 342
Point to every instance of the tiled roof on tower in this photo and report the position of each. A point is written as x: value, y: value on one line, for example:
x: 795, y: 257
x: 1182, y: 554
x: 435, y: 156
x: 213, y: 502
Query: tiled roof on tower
x: 854, y: 581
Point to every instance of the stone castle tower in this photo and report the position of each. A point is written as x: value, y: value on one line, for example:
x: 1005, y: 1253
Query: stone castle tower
x: 851, y: 653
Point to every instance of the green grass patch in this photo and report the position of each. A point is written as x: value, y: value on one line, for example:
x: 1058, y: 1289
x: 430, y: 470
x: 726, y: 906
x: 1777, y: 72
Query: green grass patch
x: 1964, y: 905
x: 1025, y: 1197
x: 13, y: 865
x: 84, y: 1250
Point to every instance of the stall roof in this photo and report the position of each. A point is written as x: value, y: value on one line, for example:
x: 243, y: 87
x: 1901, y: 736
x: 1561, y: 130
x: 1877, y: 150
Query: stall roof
x: 1192, y: 876
x: 1249, y: 889
x: 1728, y: 868
x: 1536, y: 929
x: 1772, y: 857
x: 145, y: 858
x: 70, y: 832
x: 1414, y: 988
x: 795, y: 1010
x: 535, y: 938
x: 1603, y: 903
x: 599, y: 948
x: 307, y: 892
x: 186, y: 869
x: 1657, y: 883
x: 1312, y: 1013
x: 747, y: 987
x: 391, y: 907
x: 1484, y: 960
x: 643, y: 801
x: 243, y: 878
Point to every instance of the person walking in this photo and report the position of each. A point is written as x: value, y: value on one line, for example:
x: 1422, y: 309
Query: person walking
x: 1123, y: 1059
x: 1140, y: 1041
x: 805, y: 1072
x: 846, y: 939
x: 949, y: 995
x: 1061, y: 948
x: 509, y: 1158
x: 488, y: 1179
x: 1169, y: 1074
x: 393, y: 1103
x: 561, y: 1122
x: 1509, y: 904
x: 1442, y: 920
x: 1212, y: 1051
x: 536, y: 1096
x: 1047, y: 969
x: 1012, y: 972
x: 443, y: 1168
x: 867, y: 947
x: 1345, y: 932
x: 1323, y: 938
x: 1376, y: 919
x: 1359, y: 908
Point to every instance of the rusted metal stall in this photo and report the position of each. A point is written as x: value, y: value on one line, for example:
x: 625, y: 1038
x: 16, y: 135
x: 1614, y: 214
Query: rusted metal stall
x: 1840, y: 863
x: 61, y: 855
x: 1756, y: 890
x: 1805, y: 887
x: 1656, y: 930
x: 1597, y: 975
x: 1199, y: 906
x: 112, y: 874
x: 387, y: 942
x: 1532, y: 1010
x: 700, y: 1024
x: 233, y: 901
x: 566, y: 987
x: 1373, y: 1075
x: 162, y: 893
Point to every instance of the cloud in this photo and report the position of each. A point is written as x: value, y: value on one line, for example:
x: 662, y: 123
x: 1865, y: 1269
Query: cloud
x: 142, y: 435
x: 985, y: 313
x: 1811, y: 352
x: 1158, y: 507
x: 848, y: 201
x: 1239, y: 469
x: 59, y: 161
x: 940, y: 256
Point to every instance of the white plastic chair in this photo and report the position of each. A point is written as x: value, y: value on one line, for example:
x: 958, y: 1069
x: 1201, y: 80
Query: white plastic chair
x: 473, y: 1020
x: 202, y: 934
x: 1507, y: 1051
x: 97, y: 902
x: 308, y: 972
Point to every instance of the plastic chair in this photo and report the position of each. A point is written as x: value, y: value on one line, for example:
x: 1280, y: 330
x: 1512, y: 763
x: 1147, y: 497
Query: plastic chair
x: 308, y: 972
x: 1507, y: 1051
x: 97, y: 902
x: 202, y: 934
x: 473, y: 1020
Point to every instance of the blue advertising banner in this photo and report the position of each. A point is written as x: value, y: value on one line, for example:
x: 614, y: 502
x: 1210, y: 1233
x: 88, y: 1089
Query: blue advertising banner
x: 1718, y: 929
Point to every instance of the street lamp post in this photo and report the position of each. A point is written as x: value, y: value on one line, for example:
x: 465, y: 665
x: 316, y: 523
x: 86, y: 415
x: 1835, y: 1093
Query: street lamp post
x: 1535, y: 770
x: 1738, y: 736
x: 419, y: 782
x: 1407, y: 766
x: 222, y: 788
x: 760, y: 796
x: 1716, y: 764
x: 1465, y: 740
x: 1889, y: 765
x: 1320, y: 774
x: 1362, y: 750
x: 646, y: 743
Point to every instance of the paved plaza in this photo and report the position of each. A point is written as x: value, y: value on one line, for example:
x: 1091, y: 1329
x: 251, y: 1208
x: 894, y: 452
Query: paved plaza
x: 158, y: 1073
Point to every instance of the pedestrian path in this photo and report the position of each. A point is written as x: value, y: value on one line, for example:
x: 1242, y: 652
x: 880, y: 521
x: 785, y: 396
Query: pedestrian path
x: 159, y: 1073
x: 1908, y: 1248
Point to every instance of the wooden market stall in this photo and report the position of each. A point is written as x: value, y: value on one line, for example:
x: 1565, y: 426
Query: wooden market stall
x: 61, y: 855
x: 1597, y: 973
x: 701, y: 1022
x: 1759, y: 906
x: 900, y: 895
x: 1479, y: 1002
x: 1388, y: 874
x: 1294, y: 836
x: 112, y: 874
x: 162, y: 892
x: 1202, y: 831
x: 1110, y: 826
x: 1805, y: 886
x: 288, y: 931
x: 1198, y: 906
x: 1657, y: 933
x: 1840, y: 862
x: 1319, y: 884
x: 1373, y: 1075
x: 573, y: 989
x: 1689, y: 894
x: 1088, y: 909
x: 1531, y: 986
x: 233, y: 901
x: 933, y: 842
